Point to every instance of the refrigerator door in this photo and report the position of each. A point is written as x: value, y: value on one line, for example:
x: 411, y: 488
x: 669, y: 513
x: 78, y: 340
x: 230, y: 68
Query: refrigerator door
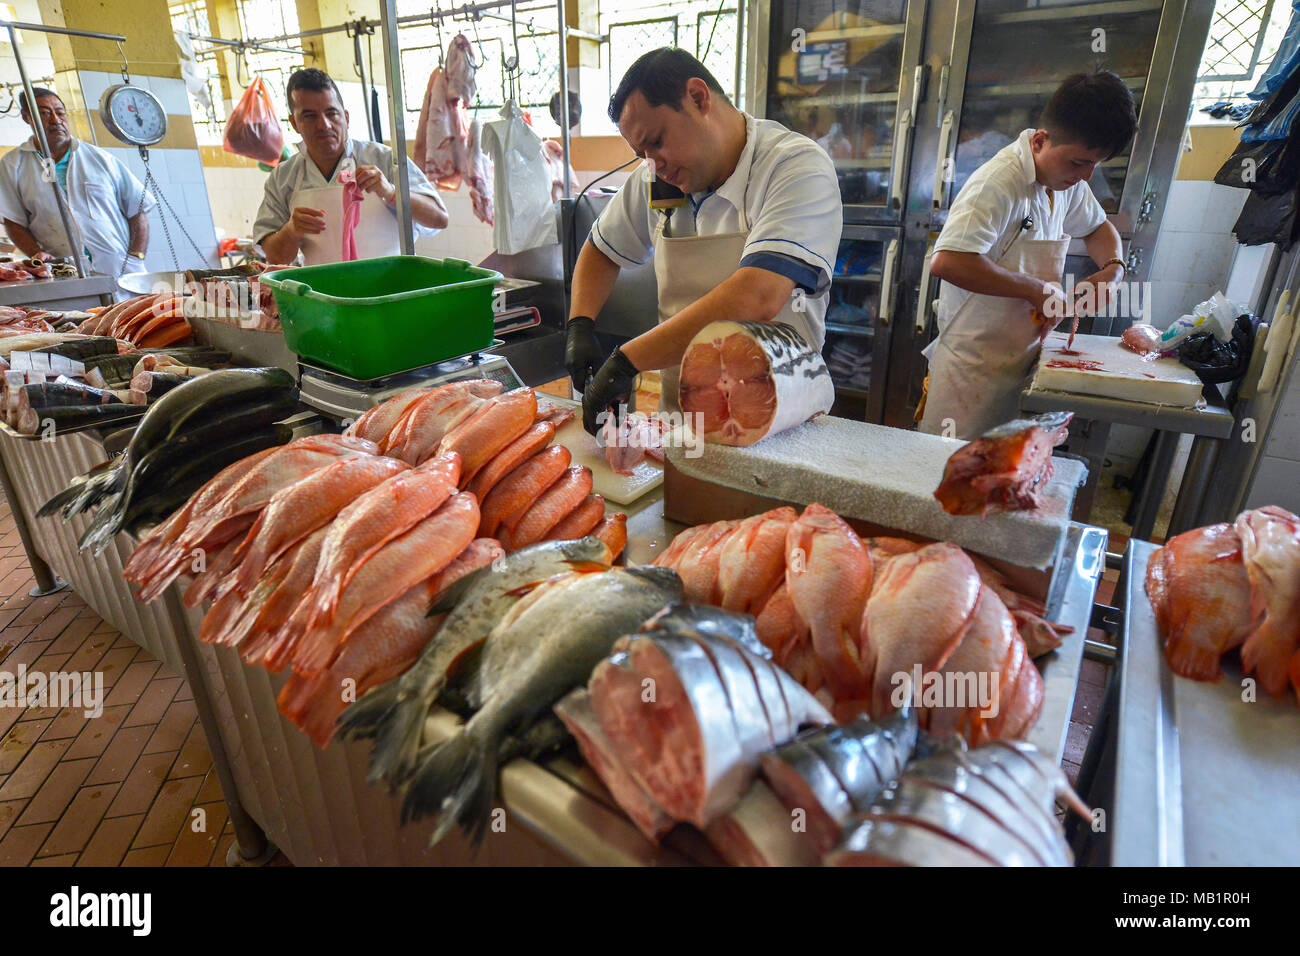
x: 860, y: 318
x: 1016, y: 53
x: 847, y: 77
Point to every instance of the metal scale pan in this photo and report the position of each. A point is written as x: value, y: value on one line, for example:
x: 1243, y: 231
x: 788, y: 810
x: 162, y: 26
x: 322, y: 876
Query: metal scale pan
x: 343, y: 398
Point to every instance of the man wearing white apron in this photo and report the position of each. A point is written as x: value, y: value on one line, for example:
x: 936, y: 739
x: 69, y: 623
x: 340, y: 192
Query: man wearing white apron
x: 755, y: 241
x: 1001, y: 255
x: 306, y: 198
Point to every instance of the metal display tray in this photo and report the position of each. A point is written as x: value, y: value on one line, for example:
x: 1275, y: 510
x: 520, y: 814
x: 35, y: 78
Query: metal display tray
x: 1202, y: 777
x: 74, y: 429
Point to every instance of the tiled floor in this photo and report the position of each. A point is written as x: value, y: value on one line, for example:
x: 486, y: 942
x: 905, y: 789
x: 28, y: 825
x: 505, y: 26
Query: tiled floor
x: 133, y: 787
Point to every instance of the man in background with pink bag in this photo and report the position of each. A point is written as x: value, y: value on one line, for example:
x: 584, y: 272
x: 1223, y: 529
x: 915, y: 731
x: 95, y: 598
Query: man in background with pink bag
x: 333, y: 200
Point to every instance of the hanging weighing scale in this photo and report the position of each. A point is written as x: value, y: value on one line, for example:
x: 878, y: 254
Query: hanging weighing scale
x: 137, y: 118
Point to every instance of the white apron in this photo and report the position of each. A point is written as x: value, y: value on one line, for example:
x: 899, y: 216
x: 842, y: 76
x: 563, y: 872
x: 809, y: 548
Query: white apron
x: 689, y: 268
x: 375, y: 234
x: 979, y: 362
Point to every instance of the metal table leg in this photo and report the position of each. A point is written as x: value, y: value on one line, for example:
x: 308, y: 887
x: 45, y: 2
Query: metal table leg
x: 46, y: 581
x: 1196, y: 479
x: 1153, y: 489
x: 251, y: 847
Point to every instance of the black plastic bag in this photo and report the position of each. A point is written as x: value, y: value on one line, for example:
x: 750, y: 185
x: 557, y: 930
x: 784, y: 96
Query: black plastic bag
x: 1267, y: 218
x: 1269, y: 166
x: 1217, y: 362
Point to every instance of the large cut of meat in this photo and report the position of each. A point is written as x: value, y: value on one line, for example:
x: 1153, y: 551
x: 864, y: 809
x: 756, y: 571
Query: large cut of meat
x: 752, y: 379
x: 1003, y: 469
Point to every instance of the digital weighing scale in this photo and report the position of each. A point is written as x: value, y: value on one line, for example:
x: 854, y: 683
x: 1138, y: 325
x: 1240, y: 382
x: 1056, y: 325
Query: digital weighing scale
x: 345, y: 399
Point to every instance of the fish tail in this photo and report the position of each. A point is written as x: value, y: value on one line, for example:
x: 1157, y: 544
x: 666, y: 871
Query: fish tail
x: 395, y: 720
x: 106, y: 523
x: 314, y: 712
x: 457, y: 781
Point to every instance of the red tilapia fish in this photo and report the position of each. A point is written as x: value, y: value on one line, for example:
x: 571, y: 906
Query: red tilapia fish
x: 752, y: 379
x: 1003, y: 469
x: 1142, y: 339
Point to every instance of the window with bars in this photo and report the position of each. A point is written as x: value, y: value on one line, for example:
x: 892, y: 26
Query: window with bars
x: 492, y: 42
x: 1244, y: 37
x: 210, y: 118
x: 707, y: 28
x: 261, y: 20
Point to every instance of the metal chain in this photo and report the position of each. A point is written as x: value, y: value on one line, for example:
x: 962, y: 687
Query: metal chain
x: 148, y: 179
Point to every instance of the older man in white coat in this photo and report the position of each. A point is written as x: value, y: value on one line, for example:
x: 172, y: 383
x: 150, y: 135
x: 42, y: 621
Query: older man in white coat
x: 109, y: 207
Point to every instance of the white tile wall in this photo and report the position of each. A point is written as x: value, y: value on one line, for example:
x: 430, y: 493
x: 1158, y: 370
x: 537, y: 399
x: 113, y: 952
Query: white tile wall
x: 1196, y: 251
x: 234, y: 195
x: 465, y: 238
x: 1277, y: 482
x: 179, y: 175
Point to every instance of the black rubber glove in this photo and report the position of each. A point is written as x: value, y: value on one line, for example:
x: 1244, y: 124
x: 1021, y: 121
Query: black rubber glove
x: 611, y: 386
x: 581, y: 353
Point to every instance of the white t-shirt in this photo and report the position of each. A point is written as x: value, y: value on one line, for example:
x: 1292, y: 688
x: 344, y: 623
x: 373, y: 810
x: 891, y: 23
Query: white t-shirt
x: 987, y: 213
x: 787, y: 186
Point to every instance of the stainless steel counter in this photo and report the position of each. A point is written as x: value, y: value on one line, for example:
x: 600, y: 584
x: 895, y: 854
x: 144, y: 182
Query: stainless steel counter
x: 1202, y: 777
x: 58, y: 294
x: 316, y: 805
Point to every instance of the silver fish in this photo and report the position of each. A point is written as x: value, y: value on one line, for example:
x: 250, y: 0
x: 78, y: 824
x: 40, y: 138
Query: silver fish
x: 536, y: 654
x: 394, y: 714
x: 992, y: 805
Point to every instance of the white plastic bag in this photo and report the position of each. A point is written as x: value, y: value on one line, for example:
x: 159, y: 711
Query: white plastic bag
x: 524, y: 217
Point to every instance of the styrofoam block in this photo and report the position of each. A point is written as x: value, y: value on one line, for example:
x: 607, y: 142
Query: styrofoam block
x: 886, y: 476
x: 1223, y: 207
x: 1124, y: 375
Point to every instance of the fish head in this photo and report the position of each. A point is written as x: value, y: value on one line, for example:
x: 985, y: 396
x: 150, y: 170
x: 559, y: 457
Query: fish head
x: 583, y: 554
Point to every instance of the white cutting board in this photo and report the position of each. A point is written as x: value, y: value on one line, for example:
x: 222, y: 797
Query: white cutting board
x: 620, y: 489
x: 1123, y: 374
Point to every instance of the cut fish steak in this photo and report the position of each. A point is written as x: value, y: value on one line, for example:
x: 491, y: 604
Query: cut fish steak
x: 993, y: 806
x: 752, y: 379
x: 717, y: 706
x: 1003, y: 469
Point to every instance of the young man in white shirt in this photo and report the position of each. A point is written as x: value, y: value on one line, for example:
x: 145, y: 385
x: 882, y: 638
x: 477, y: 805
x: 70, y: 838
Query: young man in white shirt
x: 1001, y: 255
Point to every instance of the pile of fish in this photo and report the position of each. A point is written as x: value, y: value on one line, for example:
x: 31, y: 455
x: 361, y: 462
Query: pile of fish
x: 526, y: 489
x: 690, y: 722
x: 1004, y: 469
x: 1226, y: 586
x: 40, y: 266
x: 752, y: 379
x: 846, y: 616
x: 146, y: 321
x: 991, y: 806
x: 37, y: 395
x: 185, y: 438
x: 540, y: 649
x: 157, y: 374
x: 239, y: 299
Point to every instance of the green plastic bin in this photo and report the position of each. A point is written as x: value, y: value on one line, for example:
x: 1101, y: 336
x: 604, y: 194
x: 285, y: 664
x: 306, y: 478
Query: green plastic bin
x: 375, y: 317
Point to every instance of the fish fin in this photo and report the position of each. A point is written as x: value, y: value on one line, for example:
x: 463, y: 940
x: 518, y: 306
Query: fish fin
x: 450, y: 597
x: 106, y: 523
x: 395, y: 721
x: 588, y: 566
x: 457, y: 781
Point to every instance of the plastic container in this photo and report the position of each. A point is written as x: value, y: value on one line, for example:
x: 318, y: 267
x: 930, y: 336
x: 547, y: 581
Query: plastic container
x: 375, y: 317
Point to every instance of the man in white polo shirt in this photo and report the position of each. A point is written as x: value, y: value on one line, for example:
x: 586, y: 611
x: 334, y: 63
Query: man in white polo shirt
x: 1001, y: 255
x: 755, y: 241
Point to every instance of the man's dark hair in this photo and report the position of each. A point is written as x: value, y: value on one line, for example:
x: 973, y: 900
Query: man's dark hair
x: 661, y: 77
x: 40, y: 93
x: 1095, y: 109
x: 310, y: 78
